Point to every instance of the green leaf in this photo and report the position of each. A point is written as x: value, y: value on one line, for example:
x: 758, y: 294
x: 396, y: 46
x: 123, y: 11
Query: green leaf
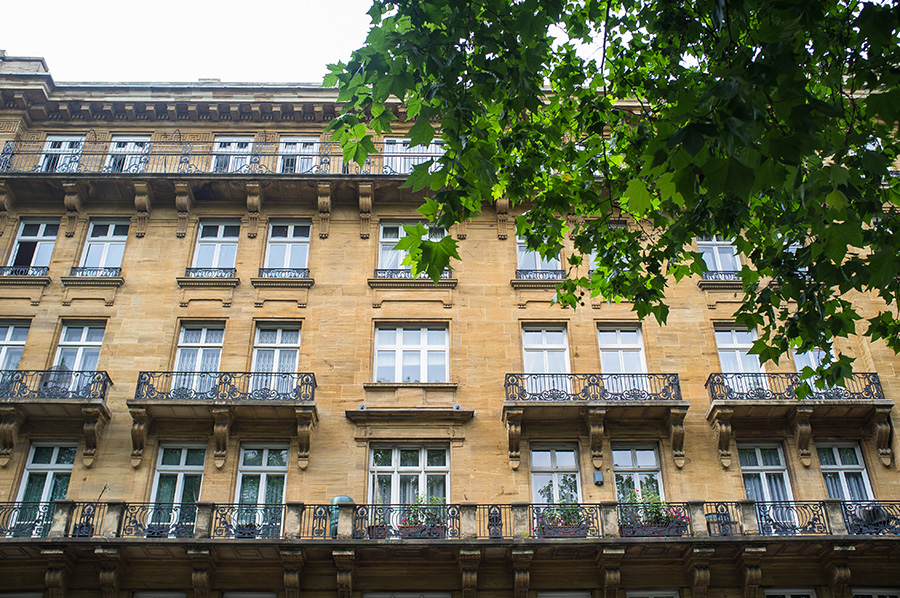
x: 636, y: 197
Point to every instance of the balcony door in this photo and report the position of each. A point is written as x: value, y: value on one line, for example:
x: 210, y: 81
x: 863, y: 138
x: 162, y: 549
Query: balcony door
x: 546, y: 352
x: 62, y: 153
x: 197, y: 358
x: 179, y: 474
x: 275, y: 359
x: 260, y: 492
x: 77, y: 355
x: 766, y: 481
x: 46, y: 479
x: 621, y: 354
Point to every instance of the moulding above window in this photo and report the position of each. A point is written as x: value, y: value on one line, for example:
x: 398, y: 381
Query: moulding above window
x: 395, y: 415
x: 92, y: 281
x: 283, y: 283
x: 415, y: 283
x: 424, y: 385
x: 191, y: 282
x: 24, y: 281
x: 720, y: 285
x: 522, y: 283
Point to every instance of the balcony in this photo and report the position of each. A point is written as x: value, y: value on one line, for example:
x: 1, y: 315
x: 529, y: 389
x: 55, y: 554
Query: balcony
x: 600, y: 401
x: 406, y: 521
x: 873, y: 518
x: 210, y: 272
x: 267, y: 401
x: 720, y: 280
x: 32, y: 271
x: 743, y: 402
x: 95, y: 272
x: 77, y: 398
x: 284, y: 272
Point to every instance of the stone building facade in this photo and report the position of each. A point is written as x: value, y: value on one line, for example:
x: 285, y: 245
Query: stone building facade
x: 207, y: 336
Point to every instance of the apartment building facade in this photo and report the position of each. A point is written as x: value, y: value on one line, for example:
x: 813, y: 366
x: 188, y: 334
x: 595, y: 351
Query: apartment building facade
x: 219, y: 380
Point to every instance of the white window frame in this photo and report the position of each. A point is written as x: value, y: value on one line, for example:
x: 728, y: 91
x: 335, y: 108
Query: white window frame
x: 67, y: 154
x: 127, y: 153
x: 186, y: 379
x: 106, y: 243
x: 738, y: 349
x: 765, y: 470
x: 228, y: 153
x: 87, y: 349
x: 790, y: 592
x: 554, y: 470
x: 387, y: 246
x: 269, y: 379
x: 217, y: 242
x: 842, y: 469
x: 875, y: 593
x: 716, y: 247
x: 620, y: 348
x: 10, y: 343
x: 297, y: 155
x: 41, y: 241
x: 290, y: 243
x: 30, y: 514
x: 395, y: 470
x: 534, y: 261
x: 648, y: 594
x: 400, y: 158
x: 263, y: 518
x: 635, y: 471
x: 423, y: 348
x: 165, y: 513
x: 547, y: 382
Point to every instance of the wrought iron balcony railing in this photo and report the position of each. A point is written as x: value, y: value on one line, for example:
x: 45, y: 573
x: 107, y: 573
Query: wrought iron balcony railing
x: 284, y: 272
x: 24, y: 270
x: 53, y: 384
x: 210, y: 272
x: 592, y: 387
x: 654, y: 519
x: 540, y: 274
x: 875, y: 518
x: 411, y: 521
x: 176, y: 155
x: 406, y: 273
x: 97, y: 272
x: 225, y: 386
x: 158, y: 520
x: 25, y: 519
x: 722, y: 275
x: 723, y: 518
x: 86, y: 518
x: 773, y: 387
x: 243, y: 521
x: 565, y: 521
x: 791, y: 518
x: 494, y: 521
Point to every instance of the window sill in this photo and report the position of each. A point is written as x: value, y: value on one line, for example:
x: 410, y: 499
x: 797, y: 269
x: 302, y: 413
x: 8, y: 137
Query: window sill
x: 20, y: 281
x: 92, y: 281
x: 282, y: 283
x: 191, y: 282
x: 423, y: 385
x: 527, y: 283
x: 415, y: 283
x: 420, y: 415
x: 720, y: 285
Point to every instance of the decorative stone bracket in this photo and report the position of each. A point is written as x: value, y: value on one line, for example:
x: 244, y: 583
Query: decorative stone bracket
x: 881, y: 429
x: 143, y: 203
x: 697, y: 565
x: 11, y: 420
x: 306, y: 421
x: 720, y: 419
x: 96, y: 416
x: 344, y: 562
x: 469, y: 559
x: 513, y: 418
x: 7, y: 198
x: 95, y: 419
x: 254, y: 203
x: 521, y: 563
x: 140, y: 427
x: 675, y: 424
x: 222, y: 422
x: 596, y: 429
x: 203, y: 565
x: 324, y: 207
x: 110, y: 568
x: 293, y: 560
x: 751, y: 574
x: 803, y: 431
x: 608, y: 560
x: 184, y: 202
x: 59, y: 570
x: 366, y: 197
x: 502, y: 207
x: 74, y: 199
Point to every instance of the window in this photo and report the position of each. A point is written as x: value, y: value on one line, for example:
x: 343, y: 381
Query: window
x: 45, y: 480
x: 104, y: 249
x: 792, y: 593
x: 546, y: 359
x: 734, y: 346
x: 287, y: 251
x: 531, y: 264
x: 411, y: 353
x: 179, y: 473
x: 297, y: 155
x: 399, y: 157
x: 390, y: 259
x: 764, y: 472
x: 34, y: 245
x: 77, y: 355
x: 721, y: 258
x: 876, y: 593
x: 12, y: 343
x: 275, y: 354
x: 216, y: 249
x: 128, y: 154
x: 231, y: 154
x: 62, y: 153
x: 554, y: 475
x: 636, y: 470
x: 260, y: 492
x: 401, y: 474
x: 673, y: 594
x: 844, y: 471
x: 622, y: 353
x: 197, y: 358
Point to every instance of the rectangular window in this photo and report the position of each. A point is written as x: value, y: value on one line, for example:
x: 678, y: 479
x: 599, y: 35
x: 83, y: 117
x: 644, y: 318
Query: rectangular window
x: 532, y: 264
x: 734, y: 346
x: 12, y: 344
x: 844, y: 471
x: 764, y: 472
x: 197, y: 357
x: 622, y: 354
x: 876, y: 593
x: 176, y: 490
x: 555, y: 474
x: 128, y: 154
x: 275, y: 352
x: 77, y: 355
x: 62, y: 153
x: 298, y: 155
x: 231, y: 154
x: 287, y: 251
x: 33, y: 248
x: 216, y: 248
x: 390, y: 258
x: 792, y: 593
x: 45, y: 480
x: 401, y: 474
x: 104, y: 249
x: 399, y: 157
x: 411, y: 353
x: 546, y: 353
x: 260, y: 492
x: 720, y: 256
x: 636, y: 471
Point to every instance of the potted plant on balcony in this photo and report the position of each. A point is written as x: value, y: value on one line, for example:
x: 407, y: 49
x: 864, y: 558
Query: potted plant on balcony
x: 561, y: 520
x: 424, y: 518
x: 649, y: 515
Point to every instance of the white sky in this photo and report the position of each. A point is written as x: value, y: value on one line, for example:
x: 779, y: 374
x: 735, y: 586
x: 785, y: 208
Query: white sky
x: 185, y: 40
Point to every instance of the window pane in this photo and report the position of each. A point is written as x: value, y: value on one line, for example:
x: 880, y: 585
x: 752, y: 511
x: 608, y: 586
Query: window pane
x: 565, y: 458
x: 214, y: 336
x: 409, y: 488
x: 409, y: 458
x: 195, y: 456
x: 279, y: 230
x: 436, y: 367
x: 826, y: 456
x: 622, y: 458
x: 385, y: 366
x: 770, y: 456
x: 66, y: 455
x: 848, y: 455
x: 381, y: 457
x: 437, y: 336
x: 386, y: 336
x: 542, y: 487
x: 411, y: 336
x: 171, y: 456
x: 253, y: 457
x: 624, y: 488
x: 436, y: 457
x: 93, y: 256
x: 410, y: 368
x: 436, y: 487
x: 646, y: 457
x: 277, y: 457
x: 747, y: 457
x: 42, y: 454
x: 95, y: 335
x: 540, y: 459
x: 568, y: 487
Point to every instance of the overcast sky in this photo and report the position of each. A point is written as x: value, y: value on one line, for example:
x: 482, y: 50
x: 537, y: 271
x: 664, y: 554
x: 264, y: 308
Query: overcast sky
x: 185, y: 40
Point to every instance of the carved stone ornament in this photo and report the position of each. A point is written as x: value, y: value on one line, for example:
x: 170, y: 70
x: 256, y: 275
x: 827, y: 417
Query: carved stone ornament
x: 804, y: 433
x: 59, y: 566
x: 881, y: 428
x: 469, y: 559
x: 698, y: 569
x: 222, y: 421
x: 7, y: 198
x: 324, y: 207
x: 306, y: 420
x: 595, y: 417
x: 723, y: 434
x: 344, y: 561
x: 201, y: 573
x: 609, y: 560
x: 521, y: 562
x: 109, y: 570
x: 140, y: 427
x: 840, y: 580
x: 514, y: 430
x: 293, y: 560
x: 143, y: 203
x: 11, y: 420
x: 254, y: 203
x: 676, y: 431
x: 502, y: 207
x: 751, y: 574
x: 184, y: 202
x: 366, y: 196
x: 95, y: 419
x: 73, y: 199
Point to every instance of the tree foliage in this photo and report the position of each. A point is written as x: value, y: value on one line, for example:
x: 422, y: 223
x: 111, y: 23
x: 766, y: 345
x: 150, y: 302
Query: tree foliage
x: 771, y: 122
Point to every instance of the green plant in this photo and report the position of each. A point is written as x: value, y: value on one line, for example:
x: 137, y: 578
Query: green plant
x: 424, y: 510
x: 651, y: 509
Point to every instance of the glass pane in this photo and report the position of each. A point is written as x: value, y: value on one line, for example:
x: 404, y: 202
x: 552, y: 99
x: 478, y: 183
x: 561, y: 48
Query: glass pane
x: 383, y: 489
x: 274, y: 489
x: 58, y: 486
x: 649, y: 486
x: 205, y: 255
x: 114, y: 255
x: 540, y: 459
x: 165, y: 487
x: 249, y: 489
x: 290, y: 336
x: 436, y: 336
x: 171, y: 456
x: 645, y: 457
x: 19, y: 333
x: 410, y: 369
x: 723, y: 337
x: 89, y: 359
x: 232, y: 231
x: 770, y: 456
x: 191, y: 491
x: 565, y: 458
x: 848, y: 455
x: 34, y: 487
x: 542, y: 487
x: 411, y: 336
x: 556, y: 337
x: 121, y: 230
x: 857, y: 486
x: 66, y: 455
x: 409, y: 489
x: 42, y: 254
x: 777, y: 486
x: 191, y: 335
x: 12, y: 358
x: 622, y: 458
x: 729, y: 361
x: 409, y: 458
x: 214, y: 336
x: 253, y: 457
x: 301, y: 231
x: 208, y: 231
x: 436, y: 458
x: 437, y: 366
x: 267, y: 336
x: 625, y: 491
x: 747, y: 457
x: 299, y: 254
x: 42, y: 454
x: 386, y: 336
x: 279, y: 230
x: 826, y: 456
x: 608, y: 337
x: 195, y: 456
x: 265, y: 360
x: 385, y: 366
x: 568, y: 487
x: 73, y: 334
x: 381, y: 457
x: 276, y: 256
x: 277, y: 457
x: 227, y: 254
x: 556, y: 362
x: 93, y: 256
x: 436, y: 487
x: 390, y: 232
x: 753, y: 486
x: 833, y: 484
x: 632, y: 362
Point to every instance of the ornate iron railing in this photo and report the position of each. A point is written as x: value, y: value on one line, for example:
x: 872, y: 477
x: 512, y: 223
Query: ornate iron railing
x: 771, y: 387
x: 789, y: 518
x: 592, y: 387
x: 874, y: 518
x: 284, y: 272
x: 98, y: 272
x: 53, y: 384
x: 178, y: 155
x: 86, y: 518
x: 494, y: 521
x: 654, y: 519
x: 722, y: 275
x: 406, y: 273
x: 25, y: 519
x: 226, y: 386
x: 318, y: 522
x: 210, y: 272
x: 158, y: 520
x: 540, y: 274
x: 723, y: 518
x: 433, y: 522
x: 565, y: 521
x: 24, y: 270
x: 247, y: 521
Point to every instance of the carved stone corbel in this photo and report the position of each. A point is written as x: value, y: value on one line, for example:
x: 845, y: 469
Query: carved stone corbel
x: 344, y: 561
x: 608, y: 560
x: 366, y: 196
x: 74, y: 199
x: 596, y: 429
x: 222, y: 421
x: 723, y: 434
x: 140, y: 427
x: 95, y: 419
x: 521, y: 563
x: 254, y: 203
x: 461, y: 230
x: 804, y: 433
x: 184, y: 202
x: 11, y: 420
x: 7, y: 198
x: 751, y: 574
x: 840, y: 580
x: 502, y: 207
x: 306, y: 420
x: 469, y: 559
x: 881, y: 430
x: 293, y: 560
x: 698, y: 569
x: 109, y: 570
x: 143, y: 203
x: 201, y: 572
x: 324, y: 207
x: 514, y: 430
x: 675, y: 424
x: 59, y: 567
